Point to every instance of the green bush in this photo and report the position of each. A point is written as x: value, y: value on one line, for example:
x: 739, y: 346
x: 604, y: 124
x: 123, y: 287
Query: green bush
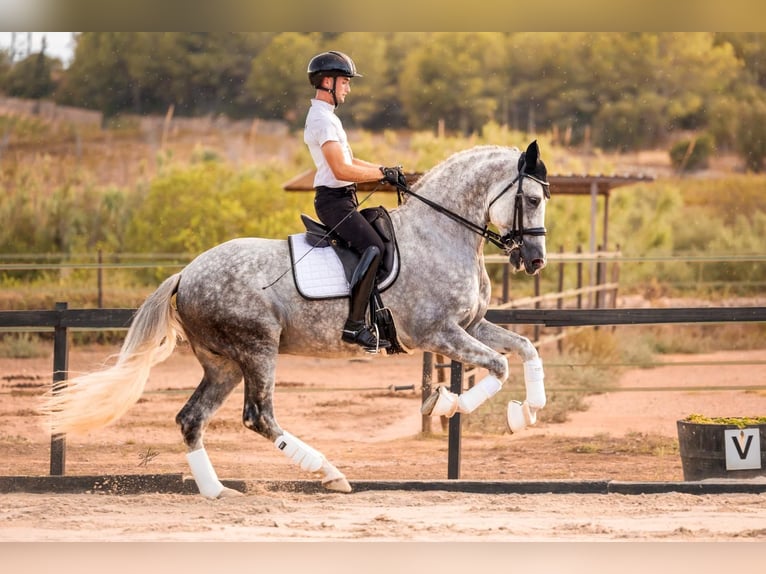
x: 21, y: 346
x: 692, y: 154
x: 751, y: 135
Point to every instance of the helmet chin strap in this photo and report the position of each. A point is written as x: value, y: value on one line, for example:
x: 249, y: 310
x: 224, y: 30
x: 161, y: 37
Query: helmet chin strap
x: 331, y: 90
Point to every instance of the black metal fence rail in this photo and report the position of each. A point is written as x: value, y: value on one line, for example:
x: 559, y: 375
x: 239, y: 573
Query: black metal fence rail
x: 62, y: 317
x: 597, y: 317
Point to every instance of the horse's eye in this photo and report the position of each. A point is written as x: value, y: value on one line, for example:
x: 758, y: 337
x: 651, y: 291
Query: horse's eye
x: 533, y: 201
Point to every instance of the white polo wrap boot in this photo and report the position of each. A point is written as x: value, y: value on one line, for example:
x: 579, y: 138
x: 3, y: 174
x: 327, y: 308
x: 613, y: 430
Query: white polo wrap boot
x: 445, y: 403
x: 522, y: 414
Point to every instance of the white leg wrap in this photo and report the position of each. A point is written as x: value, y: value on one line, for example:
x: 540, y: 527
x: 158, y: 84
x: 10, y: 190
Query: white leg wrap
x: 470, y: 400
x: 533, y: 380
x: 204, y: 474
x: 299, y: 452
x: 521, y: 415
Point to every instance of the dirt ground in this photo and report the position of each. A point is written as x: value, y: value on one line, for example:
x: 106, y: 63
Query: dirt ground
x: 348, y: 410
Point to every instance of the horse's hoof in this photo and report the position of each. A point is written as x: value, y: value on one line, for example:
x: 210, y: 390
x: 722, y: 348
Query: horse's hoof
x: 515, y: 416
x: 428, y: 405
x: 441, y: 403
x: 338, y: 485
x: 229, y: 493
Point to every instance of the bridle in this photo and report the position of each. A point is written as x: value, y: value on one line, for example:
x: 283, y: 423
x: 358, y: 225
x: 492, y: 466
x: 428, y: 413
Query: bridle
x: 512, y: 240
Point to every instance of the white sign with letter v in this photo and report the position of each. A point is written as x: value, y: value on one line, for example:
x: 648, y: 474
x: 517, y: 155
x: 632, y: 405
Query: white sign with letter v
x: 743, y: 448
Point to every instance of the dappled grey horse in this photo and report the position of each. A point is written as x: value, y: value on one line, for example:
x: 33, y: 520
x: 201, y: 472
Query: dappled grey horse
x: 238, y: 313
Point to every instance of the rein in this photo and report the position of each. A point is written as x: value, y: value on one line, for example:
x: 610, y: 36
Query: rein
x: 511, y: 240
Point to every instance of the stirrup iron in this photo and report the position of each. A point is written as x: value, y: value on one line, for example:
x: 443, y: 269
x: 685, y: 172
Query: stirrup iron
x: 360, y: 334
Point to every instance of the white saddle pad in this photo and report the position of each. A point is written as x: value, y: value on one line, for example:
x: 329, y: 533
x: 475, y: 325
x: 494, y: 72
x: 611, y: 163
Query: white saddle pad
x: 317, y: 271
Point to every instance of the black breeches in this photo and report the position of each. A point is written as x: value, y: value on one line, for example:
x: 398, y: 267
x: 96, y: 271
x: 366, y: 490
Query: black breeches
x: 337, y: 208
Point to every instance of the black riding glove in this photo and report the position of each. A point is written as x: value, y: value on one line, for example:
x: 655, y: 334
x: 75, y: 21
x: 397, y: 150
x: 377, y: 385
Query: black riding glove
x: 394, y: 176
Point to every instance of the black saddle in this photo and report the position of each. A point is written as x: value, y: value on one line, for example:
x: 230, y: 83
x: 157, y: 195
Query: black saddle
x: 319, y: 235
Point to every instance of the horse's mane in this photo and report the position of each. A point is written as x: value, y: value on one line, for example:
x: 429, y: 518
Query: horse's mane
x: 466, y: 156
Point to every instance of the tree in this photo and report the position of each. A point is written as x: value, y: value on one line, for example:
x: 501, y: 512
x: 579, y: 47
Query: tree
x: 277, y: 82
x: 210, y: 71
x: 372, y: 95
x: 198, y: 73
x: 627, y: 89
x: 692, y: 72
x: 99, y: 77
x: 32, y: 77
x: 751, y: 133
x: 636, y: 86
x: 658, y: 83
x: 453, y: 77
x: 750, y: 48
x: 5, y: 67
x: 546, y: 83
x: 630, y: 123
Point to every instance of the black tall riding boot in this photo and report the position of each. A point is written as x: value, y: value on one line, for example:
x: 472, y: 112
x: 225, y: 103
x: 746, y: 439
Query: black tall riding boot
x: 362, y: 281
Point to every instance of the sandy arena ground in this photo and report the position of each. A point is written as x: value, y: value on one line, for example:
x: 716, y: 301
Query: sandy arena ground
x: 345, y: 409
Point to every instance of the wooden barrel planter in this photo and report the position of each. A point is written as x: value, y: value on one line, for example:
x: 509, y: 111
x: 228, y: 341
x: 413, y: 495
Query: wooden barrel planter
x: 722, y: 447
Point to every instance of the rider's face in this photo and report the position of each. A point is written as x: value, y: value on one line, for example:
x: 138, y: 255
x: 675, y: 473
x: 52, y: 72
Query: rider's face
x: 342, y: 88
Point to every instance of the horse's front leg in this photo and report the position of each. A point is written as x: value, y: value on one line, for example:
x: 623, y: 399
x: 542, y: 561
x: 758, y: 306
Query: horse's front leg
x: 520, y: 414
x: 484, y: 345
x: 457, y: 344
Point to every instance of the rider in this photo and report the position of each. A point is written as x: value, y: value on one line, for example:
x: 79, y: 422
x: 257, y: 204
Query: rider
x: 338, y: 171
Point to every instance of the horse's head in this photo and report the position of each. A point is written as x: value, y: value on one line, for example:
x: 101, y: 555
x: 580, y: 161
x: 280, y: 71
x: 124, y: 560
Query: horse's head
x: 520, y: 217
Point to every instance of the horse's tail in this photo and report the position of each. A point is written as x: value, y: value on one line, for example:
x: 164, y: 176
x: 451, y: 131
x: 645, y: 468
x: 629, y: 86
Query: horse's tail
x: 96, y: 399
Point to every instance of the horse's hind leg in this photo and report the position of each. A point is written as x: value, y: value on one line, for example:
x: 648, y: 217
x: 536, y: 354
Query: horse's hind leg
x: 221, y: 377
x: 258, y: 415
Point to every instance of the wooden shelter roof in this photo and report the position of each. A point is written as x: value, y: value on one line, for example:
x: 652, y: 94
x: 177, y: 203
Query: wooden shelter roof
x: 560, y: 184
x: 591, y: 186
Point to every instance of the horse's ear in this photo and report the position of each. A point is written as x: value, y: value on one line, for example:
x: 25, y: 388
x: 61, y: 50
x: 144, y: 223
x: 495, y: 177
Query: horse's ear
x: 531, y: 156
x: 528, y: 159
x: 530, y: 162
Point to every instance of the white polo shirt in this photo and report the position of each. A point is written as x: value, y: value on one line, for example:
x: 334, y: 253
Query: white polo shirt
x: 322, y: 125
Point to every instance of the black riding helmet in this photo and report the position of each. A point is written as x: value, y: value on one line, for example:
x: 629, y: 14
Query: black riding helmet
x: 331, y: 64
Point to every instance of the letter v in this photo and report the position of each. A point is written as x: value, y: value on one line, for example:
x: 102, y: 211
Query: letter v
x: 742, y: 454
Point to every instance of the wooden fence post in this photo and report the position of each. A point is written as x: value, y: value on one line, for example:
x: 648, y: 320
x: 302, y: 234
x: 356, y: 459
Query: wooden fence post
x: 536, y: 328
x: 440, y: 365
x: 100, y: 279
x: 600, y: 280
x: 453, y: 441
x: 428, y: 373
x: 60, y: 368
x: 579, y: 278
x: 615, y: 277
x: 560, y: 300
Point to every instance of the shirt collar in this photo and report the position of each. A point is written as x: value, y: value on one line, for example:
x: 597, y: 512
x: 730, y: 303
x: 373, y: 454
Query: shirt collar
x: 322, y: 104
